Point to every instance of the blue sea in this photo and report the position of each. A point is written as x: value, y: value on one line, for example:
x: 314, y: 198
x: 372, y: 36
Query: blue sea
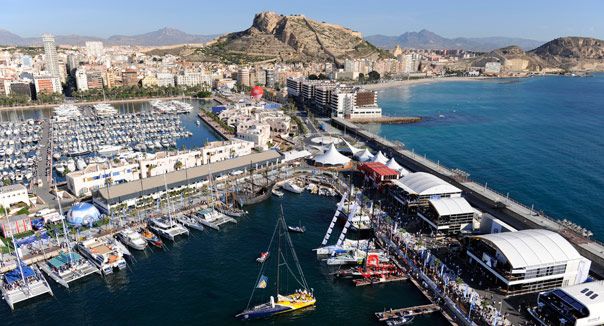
x: 539, y: 139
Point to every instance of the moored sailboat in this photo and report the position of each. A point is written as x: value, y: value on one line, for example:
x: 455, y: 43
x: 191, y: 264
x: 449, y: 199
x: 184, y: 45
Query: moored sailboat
x: 280, y: 303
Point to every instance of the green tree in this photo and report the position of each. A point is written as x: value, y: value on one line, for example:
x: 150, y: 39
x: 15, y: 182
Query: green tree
x: 374, y: 75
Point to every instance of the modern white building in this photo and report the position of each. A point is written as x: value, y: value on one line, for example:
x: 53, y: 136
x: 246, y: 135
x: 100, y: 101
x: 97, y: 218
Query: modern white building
x: 577, y: 305
x: 529, y: 260
x: 13, y: 194
x: 94, y: 176
x: 416, y: 189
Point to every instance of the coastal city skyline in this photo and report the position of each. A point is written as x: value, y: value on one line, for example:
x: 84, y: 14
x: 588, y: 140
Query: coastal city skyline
x: 290, y: 169
x: 510, y: 19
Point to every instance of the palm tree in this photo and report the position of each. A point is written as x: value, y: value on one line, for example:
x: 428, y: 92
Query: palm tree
x: 178, y: 165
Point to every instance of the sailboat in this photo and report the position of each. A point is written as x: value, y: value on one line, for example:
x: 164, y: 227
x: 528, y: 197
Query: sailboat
x: 166, y: 226
x: 67, y: 266
x: 280, y: 303
x: 23, y: 282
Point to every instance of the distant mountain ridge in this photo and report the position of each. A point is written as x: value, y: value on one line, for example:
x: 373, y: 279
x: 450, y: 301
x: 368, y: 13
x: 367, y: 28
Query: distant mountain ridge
x: 425, y: 39
x: 161, y: 37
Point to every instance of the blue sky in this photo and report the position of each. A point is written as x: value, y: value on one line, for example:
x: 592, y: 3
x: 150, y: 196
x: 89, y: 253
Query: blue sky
x: 541, y: 20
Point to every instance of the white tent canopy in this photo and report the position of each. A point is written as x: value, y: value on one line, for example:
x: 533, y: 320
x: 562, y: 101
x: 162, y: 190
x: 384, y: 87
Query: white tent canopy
x: 379, y: 157
x: 351, y: 148
x: 364, y: 156
x: 393, y: 164
x: 332, y: 157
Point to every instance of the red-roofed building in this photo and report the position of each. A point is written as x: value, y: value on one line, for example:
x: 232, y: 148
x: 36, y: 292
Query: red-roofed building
x: 378, y: 173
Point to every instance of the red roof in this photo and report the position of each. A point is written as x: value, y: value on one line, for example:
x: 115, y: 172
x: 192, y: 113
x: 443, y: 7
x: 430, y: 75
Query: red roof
x: 378, y: 168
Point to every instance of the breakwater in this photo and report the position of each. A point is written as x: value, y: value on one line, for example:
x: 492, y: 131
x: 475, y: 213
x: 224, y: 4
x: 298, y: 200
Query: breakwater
x: 480, y: 196
x: 389, y: 120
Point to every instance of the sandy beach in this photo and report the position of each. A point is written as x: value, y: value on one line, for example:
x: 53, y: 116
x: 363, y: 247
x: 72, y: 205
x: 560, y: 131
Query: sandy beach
x: 399, y: 83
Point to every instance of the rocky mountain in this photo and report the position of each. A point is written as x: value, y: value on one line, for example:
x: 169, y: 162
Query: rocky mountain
x: 425, y: 39
x: 573, y: 53
x: 293, y: 38
x: 560, y: 55
x: 162, y: 37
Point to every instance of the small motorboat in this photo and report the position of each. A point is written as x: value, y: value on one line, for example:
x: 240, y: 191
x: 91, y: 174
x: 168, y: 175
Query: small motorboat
x: 296, y: 229
x: 402, y: 320
x: 151, y: 238
x: 277, y: 193
x: 263, y: 257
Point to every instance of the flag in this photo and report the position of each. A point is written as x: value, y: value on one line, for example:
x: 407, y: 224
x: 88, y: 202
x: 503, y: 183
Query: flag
x: 262, y: 282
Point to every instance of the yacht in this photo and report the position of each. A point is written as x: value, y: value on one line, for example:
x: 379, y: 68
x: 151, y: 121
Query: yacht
x: 103, y: 254
x: 132, y: 239
x: 292, y: 187
x: 213, y: 218
x: 167, y: 228
x: 190, y: 222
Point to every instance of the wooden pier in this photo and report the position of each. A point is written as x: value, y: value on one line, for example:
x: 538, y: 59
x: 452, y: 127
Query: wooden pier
x: 409, y: 311
x: 375, y: 281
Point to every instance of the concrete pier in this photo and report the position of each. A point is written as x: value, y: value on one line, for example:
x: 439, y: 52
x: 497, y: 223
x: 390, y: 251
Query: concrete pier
x: 483, y: 198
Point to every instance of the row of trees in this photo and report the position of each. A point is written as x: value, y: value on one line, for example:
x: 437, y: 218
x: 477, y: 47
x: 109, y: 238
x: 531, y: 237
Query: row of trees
x: 43, y: 98
x: 128, y: 92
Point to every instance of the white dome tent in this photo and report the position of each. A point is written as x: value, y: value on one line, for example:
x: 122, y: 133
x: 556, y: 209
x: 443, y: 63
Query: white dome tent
x: 393, y: 164
x: 364, y: 156
x: 381, y: 158
x: 331, y: 157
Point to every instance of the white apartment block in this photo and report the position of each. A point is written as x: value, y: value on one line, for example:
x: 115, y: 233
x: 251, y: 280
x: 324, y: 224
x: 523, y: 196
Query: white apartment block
x: 252, y: 131
x: 165, y: 162
x: 13, y: 194
x: 223, y: 150
x: 95, y: 176
x: 81, y: 79
x: 193, y: 79
x: 165, y: 79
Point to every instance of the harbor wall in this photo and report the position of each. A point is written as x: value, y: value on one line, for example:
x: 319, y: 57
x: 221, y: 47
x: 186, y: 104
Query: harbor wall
x: 501, y: 206
x: 215, y: 127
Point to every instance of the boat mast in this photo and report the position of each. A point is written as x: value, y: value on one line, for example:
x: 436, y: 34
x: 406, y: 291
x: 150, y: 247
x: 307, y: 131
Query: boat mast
x: 279, y: 229
x: 168, y: 200
x: 64, y: 227
x: 12, y: 234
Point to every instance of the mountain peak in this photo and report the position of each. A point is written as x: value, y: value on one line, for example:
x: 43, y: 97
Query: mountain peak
x: 296, y: 37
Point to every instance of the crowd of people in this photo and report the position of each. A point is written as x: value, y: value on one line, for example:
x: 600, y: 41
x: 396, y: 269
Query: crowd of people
x: 448, y: 284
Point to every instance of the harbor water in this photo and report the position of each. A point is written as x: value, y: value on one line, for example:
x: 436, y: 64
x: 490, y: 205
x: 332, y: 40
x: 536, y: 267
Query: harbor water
x: 539, y: 139
x: 207, y: 278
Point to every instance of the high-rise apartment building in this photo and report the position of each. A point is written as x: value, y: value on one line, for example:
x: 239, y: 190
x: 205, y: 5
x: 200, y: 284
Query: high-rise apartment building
x: 50, y: 55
